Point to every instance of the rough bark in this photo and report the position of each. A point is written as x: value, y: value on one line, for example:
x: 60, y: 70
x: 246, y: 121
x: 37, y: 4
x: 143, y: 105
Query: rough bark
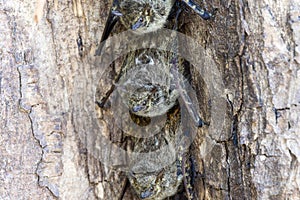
x: 255, y: 45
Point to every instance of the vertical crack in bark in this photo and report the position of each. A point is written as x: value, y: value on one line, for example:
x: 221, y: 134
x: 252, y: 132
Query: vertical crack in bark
x: 42, y: 152
x: 28, y: 114
x: 228, y: 170
x: 45, y: 128
x: 236, y: 117
x: 242, y: 31
x: 235, y: 114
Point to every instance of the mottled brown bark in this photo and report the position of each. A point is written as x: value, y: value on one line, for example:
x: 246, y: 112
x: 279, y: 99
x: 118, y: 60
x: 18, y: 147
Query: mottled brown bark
x: 255, y: 45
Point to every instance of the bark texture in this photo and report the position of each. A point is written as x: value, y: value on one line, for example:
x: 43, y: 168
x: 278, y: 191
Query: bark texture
x: 45, y: 44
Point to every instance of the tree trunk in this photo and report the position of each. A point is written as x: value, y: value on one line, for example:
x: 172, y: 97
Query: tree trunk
x: 47, y: 46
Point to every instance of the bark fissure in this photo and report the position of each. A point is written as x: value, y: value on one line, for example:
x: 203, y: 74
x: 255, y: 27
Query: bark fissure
x: 228, y: 170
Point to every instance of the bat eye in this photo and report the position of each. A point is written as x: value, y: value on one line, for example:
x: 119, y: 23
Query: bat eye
x: 144, y: 103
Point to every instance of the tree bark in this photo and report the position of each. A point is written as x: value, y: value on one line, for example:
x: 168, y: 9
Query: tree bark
x: 47, y: 45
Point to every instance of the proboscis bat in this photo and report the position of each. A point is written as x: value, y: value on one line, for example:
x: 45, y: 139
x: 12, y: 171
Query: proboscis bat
x: 143, y: 16
x: 152, y: 83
